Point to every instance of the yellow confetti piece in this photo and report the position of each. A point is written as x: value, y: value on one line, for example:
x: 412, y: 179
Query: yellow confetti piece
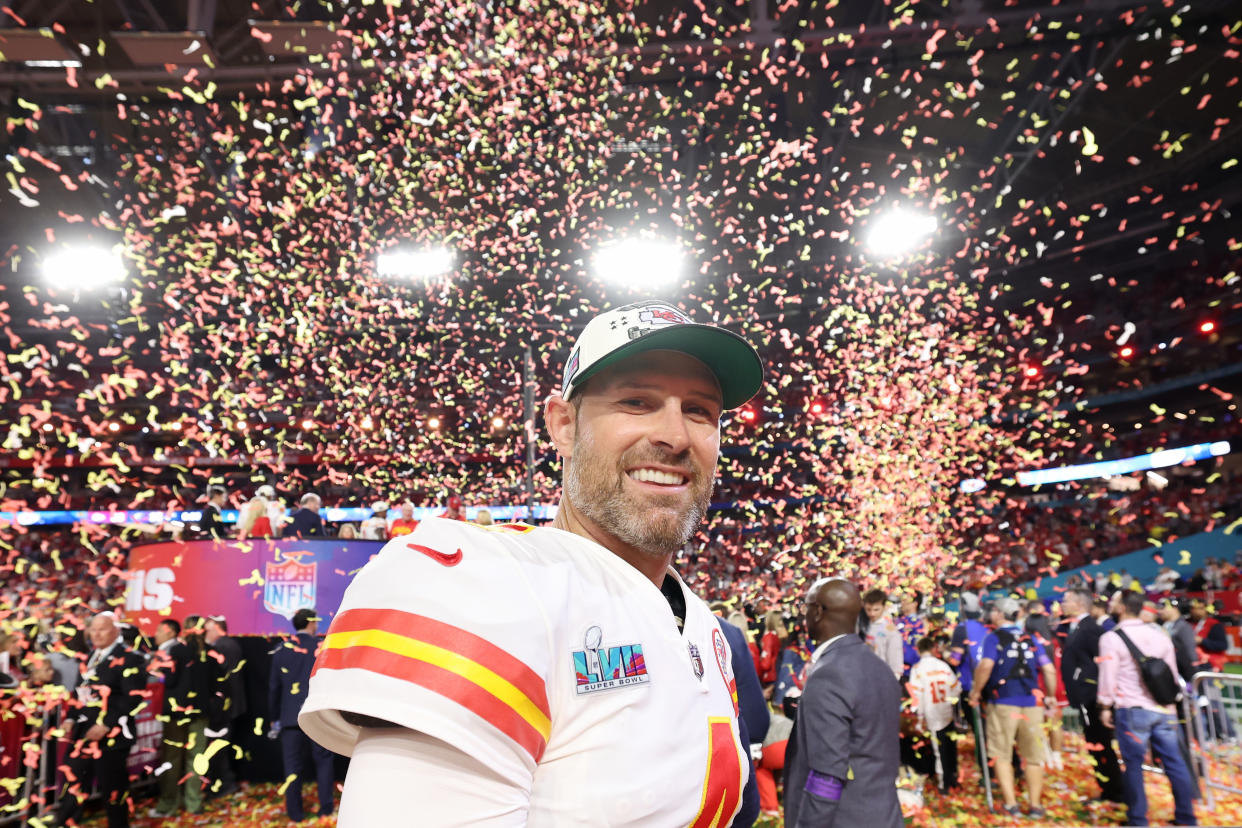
x: 202, y: 762
x: 1089, y: 146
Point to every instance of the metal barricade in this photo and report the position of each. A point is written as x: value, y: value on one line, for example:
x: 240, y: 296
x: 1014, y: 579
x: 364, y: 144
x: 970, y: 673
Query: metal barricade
x: 1212, y: 709
x: 46, y: 723
x: 34, y: 798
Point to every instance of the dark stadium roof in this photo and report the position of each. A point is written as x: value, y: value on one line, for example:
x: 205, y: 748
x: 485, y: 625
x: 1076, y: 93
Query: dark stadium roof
x: 1157, y: 84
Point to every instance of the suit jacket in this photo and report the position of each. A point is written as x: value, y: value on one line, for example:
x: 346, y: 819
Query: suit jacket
x: 229, y: 681
x: 292, y: 661
x: 210, y: 525
x: 847, y: 728
x: 1183, y: 636
x: 1079, y: 671
x: 304, y: 524
x: 110, y: 694
x: 168, y: 661
x: 753, y: 717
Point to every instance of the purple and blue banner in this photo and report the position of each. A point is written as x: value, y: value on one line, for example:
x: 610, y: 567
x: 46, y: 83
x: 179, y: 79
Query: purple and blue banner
x: 257, y: 585
x: 356, y: 514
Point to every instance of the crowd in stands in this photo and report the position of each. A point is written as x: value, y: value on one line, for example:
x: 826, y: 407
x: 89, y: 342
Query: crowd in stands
x: 1033, y: 539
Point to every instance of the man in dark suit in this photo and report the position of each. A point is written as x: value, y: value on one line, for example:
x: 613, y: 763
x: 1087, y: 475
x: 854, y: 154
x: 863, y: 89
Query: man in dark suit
x: 842, y: 770
x: 231, y: 705
x: 753, y: 718
x: 210, y: 525
x: 306, y: 522
x: 103, y: 726
x: 167, y: 663
x: 1080, y: 674
x: 292, y: 661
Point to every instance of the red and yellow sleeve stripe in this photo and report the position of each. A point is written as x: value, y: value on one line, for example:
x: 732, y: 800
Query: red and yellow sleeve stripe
x: 457, y: 664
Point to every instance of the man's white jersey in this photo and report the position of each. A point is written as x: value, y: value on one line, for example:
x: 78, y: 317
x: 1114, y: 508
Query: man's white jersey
x: 548, y: 658
x: 935, y: 689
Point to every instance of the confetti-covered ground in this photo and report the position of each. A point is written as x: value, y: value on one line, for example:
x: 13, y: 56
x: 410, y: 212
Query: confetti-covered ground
x: 1066, y: 792
x: 257, y: 804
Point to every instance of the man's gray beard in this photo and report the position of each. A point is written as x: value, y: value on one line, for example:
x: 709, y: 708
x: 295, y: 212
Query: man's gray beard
x: 588, y: 487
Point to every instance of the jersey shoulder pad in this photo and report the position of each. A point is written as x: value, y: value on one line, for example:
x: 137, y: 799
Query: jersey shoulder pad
x: 441, y: 633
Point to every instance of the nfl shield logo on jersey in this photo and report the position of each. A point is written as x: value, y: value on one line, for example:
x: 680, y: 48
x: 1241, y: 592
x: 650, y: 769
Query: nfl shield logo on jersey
x: 603, y: 668
x: 696, y: 661
x: 289, y: 586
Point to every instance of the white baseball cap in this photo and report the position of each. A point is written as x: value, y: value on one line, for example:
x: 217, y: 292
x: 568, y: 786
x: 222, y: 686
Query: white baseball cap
x: 654, y: 325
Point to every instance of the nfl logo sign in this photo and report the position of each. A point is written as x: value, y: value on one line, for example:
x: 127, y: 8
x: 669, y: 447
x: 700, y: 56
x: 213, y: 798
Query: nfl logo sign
x: 696, y: 661
x: 289, y: 586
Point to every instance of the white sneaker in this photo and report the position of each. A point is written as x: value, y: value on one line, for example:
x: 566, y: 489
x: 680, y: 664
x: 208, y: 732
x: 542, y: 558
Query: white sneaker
x: 910, y: 800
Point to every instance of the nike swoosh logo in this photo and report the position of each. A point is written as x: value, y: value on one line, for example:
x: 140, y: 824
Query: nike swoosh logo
x: 436, y: 555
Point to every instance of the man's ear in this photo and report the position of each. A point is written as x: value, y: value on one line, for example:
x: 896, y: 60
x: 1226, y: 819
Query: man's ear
x: 561, y: 419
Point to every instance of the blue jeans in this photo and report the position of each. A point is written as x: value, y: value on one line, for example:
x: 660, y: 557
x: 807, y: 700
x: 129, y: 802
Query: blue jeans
x: 1137, y: 728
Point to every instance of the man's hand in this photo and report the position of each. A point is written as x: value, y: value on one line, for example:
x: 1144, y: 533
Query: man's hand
x: 96, y: 733
x: 973, y: 698
x: 1106, y: 716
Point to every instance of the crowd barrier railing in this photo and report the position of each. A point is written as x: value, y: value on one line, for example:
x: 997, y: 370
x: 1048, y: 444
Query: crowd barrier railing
x: 1212, y: 709
x: 34, y: 740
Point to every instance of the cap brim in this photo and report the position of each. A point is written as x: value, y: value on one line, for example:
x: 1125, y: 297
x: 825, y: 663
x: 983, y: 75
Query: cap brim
x: 730, y: 358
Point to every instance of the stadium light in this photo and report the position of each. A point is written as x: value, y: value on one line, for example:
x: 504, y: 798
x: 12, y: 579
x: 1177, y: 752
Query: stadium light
x: 498, y: 422
x: 1207, y: 326
x: 899, y: 231
x: 433, y: 423
x: 1143, y: 462
x: 82, y: 267
x: 423, y: 263
x: 641, y: 263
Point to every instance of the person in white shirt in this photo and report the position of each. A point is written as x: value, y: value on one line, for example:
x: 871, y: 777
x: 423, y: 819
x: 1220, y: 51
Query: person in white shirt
x: 1165, y: 581
x: 882, y: 635
x: 520, y: 676
x: 376, y: 526
x: 935, y: 689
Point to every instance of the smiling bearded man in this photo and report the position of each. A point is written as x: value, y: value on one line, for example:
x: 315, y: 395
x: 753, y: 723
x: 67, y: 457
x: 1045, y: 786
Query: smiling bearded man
x: 513, y: 675
x: 656, y: 518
